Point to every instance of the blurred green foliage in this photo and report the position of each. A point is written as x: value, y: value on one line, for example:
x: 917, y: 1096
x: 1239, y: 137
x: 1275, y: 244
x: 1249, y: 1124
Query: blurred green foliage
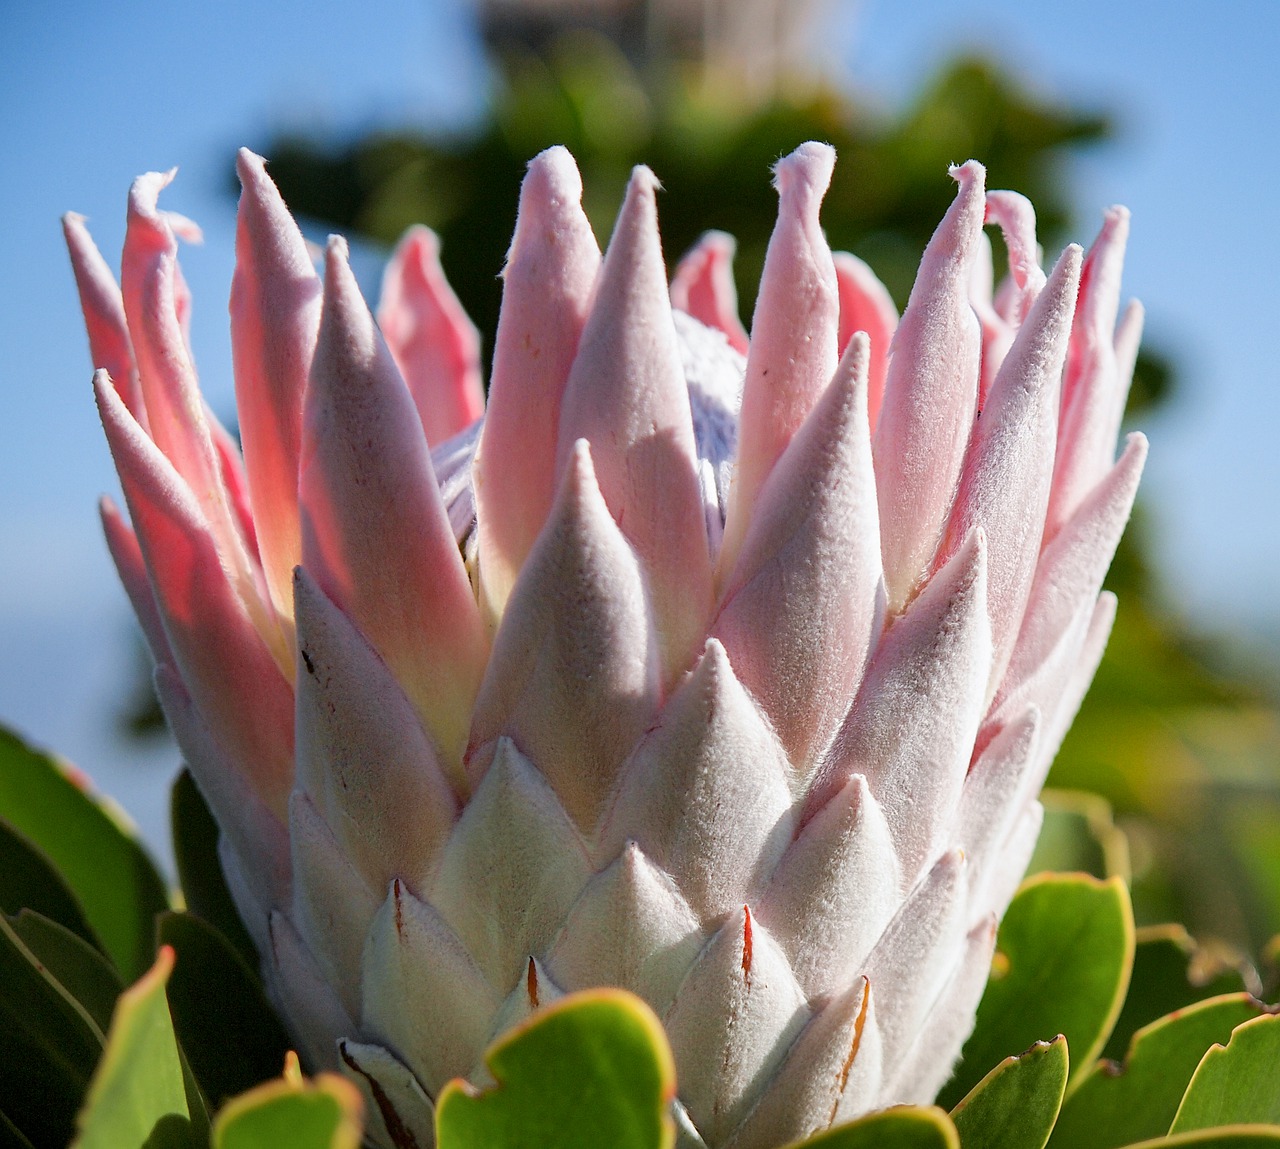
x: 1187, y: 753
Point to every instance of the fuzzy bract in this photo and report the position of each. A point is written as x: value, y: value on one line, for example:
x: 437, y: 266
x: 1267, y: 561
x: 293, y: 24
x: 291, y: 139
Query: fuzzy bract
x: 723, y: 669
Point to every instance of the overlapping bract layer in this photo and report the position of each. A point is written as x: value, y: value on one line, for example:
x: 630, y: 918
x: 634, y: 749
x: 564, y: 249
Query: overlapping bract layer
x: 724, y: 670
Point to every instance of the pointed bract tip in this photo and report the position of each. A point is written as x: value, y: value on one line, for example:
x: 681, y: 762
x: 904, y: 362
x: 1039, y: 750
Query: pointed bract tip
x: 582, y: 468
x: 714, y: 664
x: 805, y: 174
x: 972, y: 554
x: 1115, y: 220
x: 642, y: 183
x: 419, y: 243
x: 1135, y: 444
x: 102, y: 381
x: 856, y: 357
x: 250, y: 166
x: 144, y: 192
x: 719, y: 242
x: 969, y: 174
x: 337, y: 254
x: 1067, y: 269
x: 553, y: 174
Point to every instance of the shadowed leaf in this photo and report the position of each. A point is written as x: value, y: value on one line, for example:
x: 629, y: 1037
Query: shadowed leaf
x: 106, y: 868
x: 231, y: 1037
x: 195, y: 849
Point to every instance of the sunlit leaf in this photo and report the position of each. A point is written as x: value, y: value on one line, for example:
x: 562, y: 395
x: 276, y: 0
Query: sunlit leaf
x: 1016, y: 1104
x: 592, y: 1069
x: 137, y: 1088
x: 1062, y: 965
x: 1238, y: 1083
x: 903, y: 1127
x: 324, y: 1113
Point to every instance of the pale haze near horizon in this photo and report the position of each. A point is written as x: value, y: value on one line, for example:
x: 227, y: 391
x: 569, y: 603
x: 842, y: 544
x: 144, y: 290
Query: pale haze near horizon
x: 91, y: 95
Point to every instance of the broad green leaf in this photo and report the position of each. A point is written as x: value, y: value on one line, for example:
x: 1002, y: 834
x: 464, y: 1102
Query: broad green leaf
x: 1079, y: 835
x: 138, y: 1083
x: 30, y: 881
x: 229, y: 1033
x: 1115, y: 1105
x: 51, y: 1045
x: 1016, y: 1104
x: 323, y: 1113
x: 1062, y: 966
x: 593, y: 1069
x: 1169, y: 972
x: 1238, y: 1083
x: 903, y: 1127
x: 106, y: 868
x: 195, y: 849
x: 79, y: 968
x: 1223, y: 1137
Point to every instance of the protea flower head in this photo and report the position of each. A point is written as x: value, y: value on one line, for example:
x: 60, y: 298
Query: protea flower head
x: 723, y: 670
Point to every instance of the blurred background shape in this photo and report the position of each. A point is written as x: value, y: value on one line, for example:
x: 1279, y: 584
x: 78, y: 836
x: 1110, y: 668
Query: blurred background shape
x: 1181, y: 733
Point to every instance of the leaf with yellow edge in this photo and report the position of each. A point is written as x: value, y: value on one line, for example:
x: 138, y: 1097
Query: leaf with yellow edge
x: 1236, y: 1083
x: 590, y: 1070
x: 1116, y: 1104
x: 1016, y: 1104
x: 902, y: 1127
x: 1222, y: 1137
x: 325, y: 1112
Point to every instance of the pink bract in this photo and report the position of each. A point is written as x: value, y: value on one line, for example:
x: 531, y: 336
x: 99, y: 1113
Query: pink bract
x: 724, y: 669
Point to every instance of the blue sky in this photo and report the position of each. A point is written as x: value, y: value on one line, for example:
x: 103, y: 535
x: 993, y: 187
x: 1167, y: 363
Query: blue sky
x: 93, y: 94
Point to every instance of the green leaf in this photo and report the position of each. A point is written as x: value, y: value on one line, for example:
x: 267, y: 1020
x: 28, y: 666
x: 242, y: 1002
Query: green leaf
x: 1115, y: 1105
x: 1238, y: 1084
x: 1169, y: 972
x: 51, y: 1045
x: 30, y: 881
x: 106, y: 868
x: 229, y: 1033
x: 320, y: 1114
x: 79, y: 968
x: 1223, y: 1137
x: 592, y: 1069
x: 137, y: 1087
x: 195, y: 848
x: 1016, y: 1104
x: 903, y: 1127
x: 1062, y: 966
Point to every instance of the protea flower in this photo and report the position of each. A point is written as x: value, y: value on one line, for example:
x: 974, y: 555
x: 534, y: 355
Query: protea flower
x: 724, y: 671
